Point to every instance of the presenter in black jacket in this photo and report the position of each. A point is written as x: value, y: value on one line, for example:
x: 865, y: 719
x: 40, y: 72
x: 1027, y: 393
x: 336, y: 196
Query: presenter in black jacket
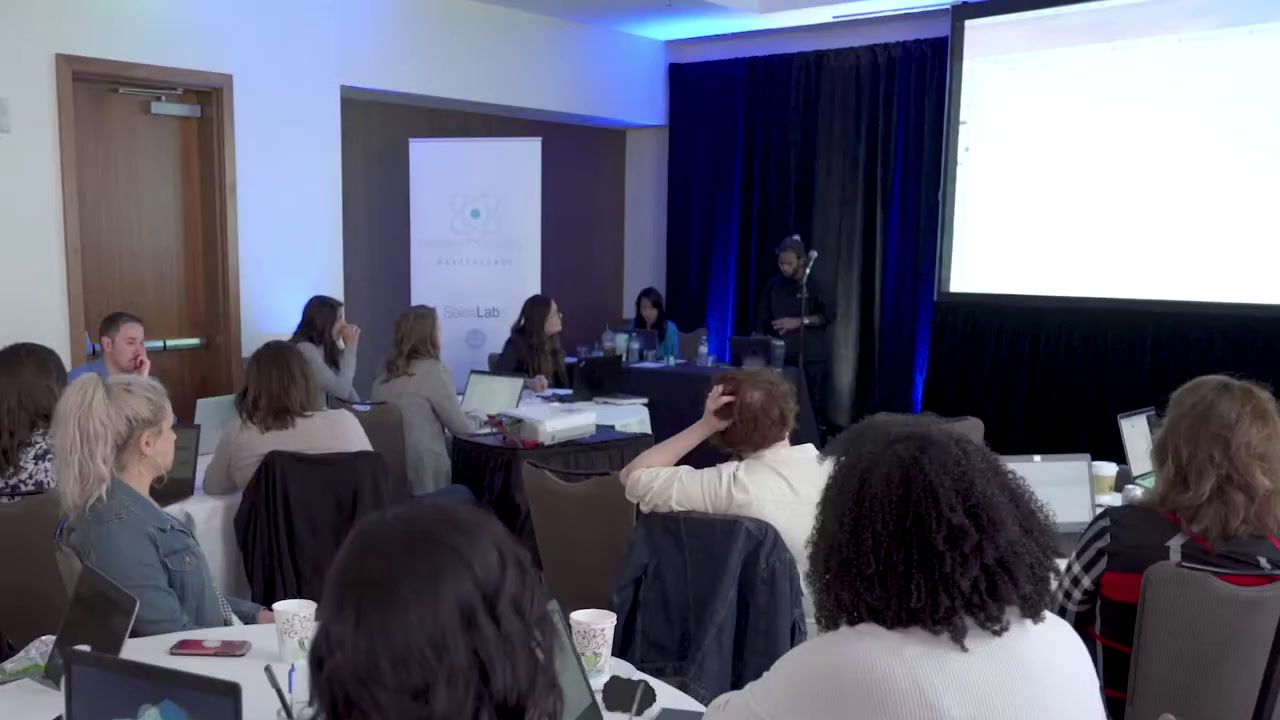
x: 785, y: 312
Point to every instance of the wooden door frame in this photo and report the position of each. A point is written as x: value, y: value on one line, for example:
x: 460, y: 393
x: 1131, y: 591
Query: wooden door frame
x: 70, y: 68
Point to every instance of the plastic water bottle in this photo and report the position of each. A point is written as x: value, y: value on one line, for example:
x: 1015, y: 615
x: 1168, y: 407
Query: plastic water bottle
x: 703, y: 352
x: 634, y: 349
x: 779, y: 352
x: 606, y: 340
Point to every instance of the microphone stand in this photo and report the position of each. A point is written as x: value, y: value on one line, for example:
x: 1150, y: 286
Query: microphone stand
x: 804, y: 310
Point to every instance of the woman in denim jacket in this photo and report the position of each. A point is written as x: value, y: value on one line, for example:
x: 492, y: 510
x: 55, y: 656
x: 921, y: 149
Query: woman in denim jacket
x: 113, y: 437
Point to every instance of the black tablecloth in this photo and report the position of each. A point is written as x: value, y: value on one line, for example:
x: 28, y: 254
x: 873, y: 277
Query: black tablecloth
x: 677, y: 396
x: 492, y: 469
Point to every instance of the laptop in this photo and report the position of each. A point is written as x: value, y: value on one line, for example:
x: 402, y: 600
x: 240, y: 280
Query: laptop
x: 1064, y: 485
x: 490, y: 393
x: 579, y: 698
x: 213, y: 414
x: 597, y: 380
x: 1136, y: 431
x: 100, y: 615
x: 180, y: 482
x: 104, y: 687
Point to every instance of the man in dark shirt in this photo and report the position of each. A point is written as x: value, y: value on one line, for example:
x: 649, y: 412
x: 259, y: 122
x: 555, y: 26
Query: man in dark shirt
x: 780, y: 315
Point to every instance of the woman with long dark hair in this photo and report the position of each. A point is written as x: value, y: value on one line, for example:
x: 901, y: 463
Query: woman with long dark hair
x: 456, y: 628
x: 31, y: 379
x: 932, y: 568
x: 416, y: 381
x: 328, y: 342
x: 277, y: 411
x: 533, y: 350
x: 651, y: 314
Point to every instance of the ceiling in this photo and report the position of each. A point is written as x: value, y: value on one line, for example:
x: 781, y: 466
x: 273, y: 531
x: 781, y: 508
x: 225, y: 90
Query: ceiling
x: 684, y: 19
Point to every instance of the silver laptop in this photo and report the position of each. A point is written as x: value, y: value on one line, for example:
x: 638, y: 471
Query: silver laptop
x: 491, y: 393
x: 1063, y: 484
x: 1136, y: 431
x: 212, y: 415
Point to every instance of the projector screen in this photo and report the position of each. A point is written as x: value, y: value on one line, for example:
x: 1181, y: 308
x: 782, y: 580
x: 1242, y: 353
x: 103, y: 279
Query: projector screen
x: 1123, y: 149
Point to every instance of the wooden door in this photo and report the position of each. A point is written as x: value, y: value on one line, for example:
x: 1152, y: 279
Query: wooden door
x: 152, y: 232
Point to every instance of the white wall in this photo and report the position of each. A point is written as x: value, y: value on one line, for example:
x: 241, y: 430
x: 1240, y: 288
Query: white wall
x: 851, y: 33
x: 289, y: 59
x: 644, y: 260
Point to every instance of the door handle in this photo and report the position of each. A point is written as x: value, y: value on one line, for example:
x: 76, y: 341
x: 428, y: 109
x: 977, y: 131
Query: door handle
x: 174, y: 344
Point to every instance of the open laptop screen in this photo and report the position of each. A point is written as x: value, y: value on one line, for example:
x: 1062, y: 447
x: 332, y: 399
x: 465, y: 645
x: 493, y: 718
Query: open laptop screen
x: 102, y: 687
x: 1063, y: 484
x: 1136, y: 431
x: 491, y: 393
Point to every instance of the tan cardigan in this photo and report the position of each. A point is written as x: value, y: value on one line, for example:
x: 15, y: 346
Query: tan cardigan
x: 242, y: 447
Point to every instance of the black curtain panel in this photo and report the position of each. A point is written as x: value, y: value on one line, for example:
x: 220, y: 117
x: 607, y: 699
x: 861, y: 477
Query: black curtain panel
x: 841, y: 146
x: 1053, y: 379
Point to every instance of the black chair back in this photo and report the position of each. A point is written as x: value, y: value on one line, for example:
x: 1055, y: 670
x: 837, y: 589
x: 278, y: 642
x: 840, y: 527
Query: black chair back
x: 707, y: 603
x: 295, y: 513
x: 34, y: 594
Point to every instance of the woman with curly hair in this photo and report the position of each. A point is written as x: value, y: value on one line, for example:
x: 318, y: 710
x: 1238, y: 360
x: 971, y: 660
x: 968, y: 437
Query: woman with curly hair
x: 931, y: 566
x: 457, y: 629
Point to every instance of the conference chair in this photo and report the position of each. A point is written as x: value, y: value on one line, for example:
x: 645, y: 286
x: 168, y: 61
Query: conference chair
x: 36, y: 594
x: 581, y: 523
x: 689, y: 343
x: 707, y: 603
x: 295, y: 513
x: 384, y: 425
x: 1193, y: 624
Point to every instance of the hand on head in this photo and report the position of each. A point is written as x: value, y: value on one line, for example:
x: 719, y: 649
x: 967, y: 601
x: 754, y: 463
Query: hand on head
x: 715, y: 401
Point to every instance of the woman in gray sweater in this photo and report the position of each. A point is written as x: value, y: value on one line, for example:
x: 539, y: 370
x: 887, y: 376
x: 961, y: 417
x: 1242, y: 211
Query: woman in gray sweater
x: 416, y: 381
x: 332, y: 365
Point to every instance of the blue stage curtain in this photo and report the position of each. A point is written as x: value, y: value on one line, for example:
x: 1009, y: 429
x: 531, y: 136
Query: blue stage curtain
x: 841, y: 146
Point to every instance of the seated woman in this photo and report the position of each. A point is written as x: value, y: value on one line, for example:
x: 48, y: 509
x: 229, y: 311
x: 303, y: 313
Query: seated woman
x: 750, y: 414
x: 533, y: 350
x: 1216, y: 502
x: 457, y: 628
x: 415, y: 381
x: 332, y: 365
x: 931, y: 566
x: 651, y: 314
x: 277, y: 412
x: 31, y: 379
x: 114, y: 437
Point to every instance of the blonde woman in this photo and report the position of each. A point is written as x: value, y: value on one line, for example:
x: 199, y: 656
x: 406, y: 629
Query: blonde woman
x: 416, y: 381
x: 114, y: 436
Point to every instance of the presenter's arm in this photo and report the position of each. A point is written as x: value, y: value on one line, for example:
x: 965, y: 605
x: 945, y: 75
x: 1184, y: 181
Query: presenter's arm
x: 817, y: 311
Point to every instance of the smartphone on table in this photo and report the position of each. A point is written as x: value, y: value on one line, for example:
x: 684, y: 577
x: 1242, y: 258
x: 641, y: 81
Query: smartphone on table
x: 211, y: 648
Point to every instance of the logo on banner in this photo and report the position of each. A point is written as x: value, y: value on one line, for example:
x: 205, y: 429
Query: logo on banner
x: 474, y: 216
x: 476, y: 339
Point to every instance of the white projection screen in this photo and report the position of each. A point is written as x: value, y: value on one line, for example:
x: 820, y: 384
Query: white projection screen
x: 1115, y: 149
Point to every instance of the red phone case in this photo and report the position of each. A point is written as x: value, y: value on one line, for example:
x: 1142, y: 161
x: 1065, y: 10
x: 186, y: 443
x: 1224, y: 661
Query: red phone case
x: 203, y: 648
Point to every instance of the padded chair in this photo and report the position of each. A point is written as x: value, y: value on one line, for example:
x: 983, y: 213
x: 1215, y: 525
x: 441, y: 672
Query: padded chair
x: 970, y: 427
x: 1219, y: 635
x: 384, y: 425
x: 493, y: 361
x: 689, y: 343
x: 35, y: 594
x: 581, y: 522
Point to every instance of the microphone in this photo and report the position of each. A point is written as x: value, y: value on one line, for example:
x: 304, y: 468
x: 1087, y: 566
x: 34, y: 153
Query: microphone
x: 808, y: 267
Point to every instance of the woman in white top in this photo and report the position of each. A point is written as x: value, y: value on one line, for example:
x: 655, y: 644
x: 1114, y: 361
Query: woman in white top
x: 328, y: 343
x: 932, y: 567
x: 277, y: 411
x: 750, y: 415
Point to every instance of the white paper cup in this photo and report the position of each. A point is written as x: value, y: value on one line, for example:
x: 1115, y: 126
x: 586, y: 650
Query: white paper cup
x: 1104, y: 476
x: 593, y: 640
x: 295, y: 627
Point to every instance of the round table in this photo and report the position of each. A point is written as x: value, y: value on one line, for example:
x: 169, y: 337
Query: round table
x: 259, y: 699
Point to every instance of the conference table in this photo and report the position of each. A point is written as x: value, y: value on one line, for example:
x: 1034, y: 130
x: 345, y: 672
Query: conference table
x: 27, y: 700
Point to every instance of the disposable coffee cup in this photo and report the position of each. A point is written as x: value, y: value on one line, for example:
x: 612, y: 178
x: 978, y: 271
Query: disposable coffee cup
x: 295, y: 627
x: 1104, y: 476
x: 593, y: 640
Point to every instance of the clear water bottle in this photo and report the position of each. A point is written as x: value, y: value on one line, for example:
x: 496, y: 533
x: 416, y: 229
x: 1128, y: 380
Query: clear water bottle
x: 778, y: 352
x: 703, y: 352
x: 606, y: 341
x: 634, y: 349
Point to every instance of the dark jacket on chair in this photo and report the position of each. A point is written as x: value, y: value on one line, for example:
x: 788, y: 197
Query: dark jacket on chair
x: 707, y: 602
x: 296, y: 512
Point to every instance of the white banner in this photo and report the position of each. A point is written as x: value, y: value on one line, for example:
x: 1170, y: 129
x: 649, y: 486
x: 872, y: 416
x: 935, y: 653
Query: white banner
x: 475, y: 236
